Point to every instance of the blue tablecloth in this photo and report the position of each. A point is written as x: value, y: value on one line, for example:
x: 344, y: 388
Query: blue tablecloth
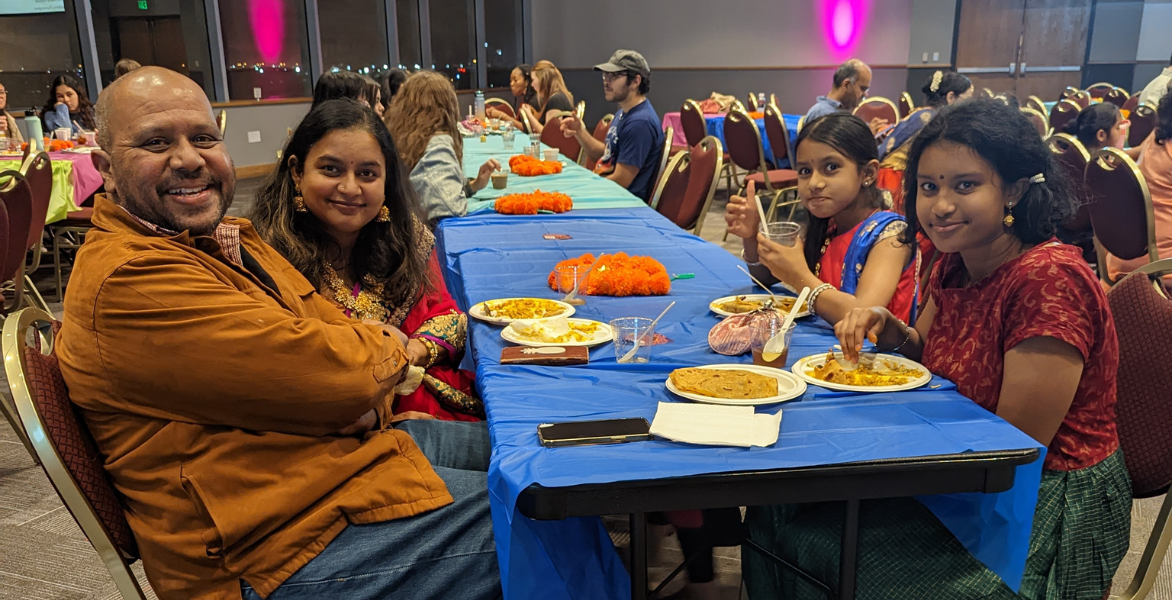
x: 492, y: 256
x: 587, y: 190
x: 716, y: 129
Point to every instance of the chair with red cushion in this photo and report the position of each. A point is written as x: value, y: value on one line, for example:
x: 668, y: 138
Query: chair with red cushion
x: 1082, y: 98
x: 38, y: 170
x: 1068, y: 93
x: 1100, y: 90
x: 553, y: 137
x: 64, y: 445
x: 1038, y: 119
x: 906, y: 105
x: 747, y: 152
x: 1072, y: 157
x: 665, y: 151
x: 1036, y: 103
x: 1062, y: 113
x: 698, y: 171
x: 877, y: 107
x: 501, y: 105
x: 599, y: 134
x: 1143, y: 122
x: 695, y: 128
x: 1143, y: 416
x: 1120, y: 207
x: 17, y: 196
x: 1117, y: 96
x: 1132, y: 102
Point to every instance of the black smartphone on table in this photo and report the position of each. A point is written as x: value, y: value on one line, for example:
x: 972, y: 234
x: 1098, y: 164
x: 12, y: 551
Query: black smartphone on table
x: 581, y: 433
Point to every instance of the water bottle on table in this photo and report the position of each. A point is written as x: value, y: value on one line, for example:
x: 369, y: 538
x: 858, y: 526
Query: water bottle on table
x: 480, y: 105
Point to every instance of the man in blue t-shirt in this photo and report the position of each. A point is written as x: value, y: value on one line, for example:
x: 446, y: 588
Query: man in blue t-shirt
x: 634, y: 144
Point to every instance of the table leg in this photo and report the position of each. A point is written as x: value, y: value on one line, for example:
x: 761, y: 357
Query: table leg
x: 848, y: 562
x: 638, y: 556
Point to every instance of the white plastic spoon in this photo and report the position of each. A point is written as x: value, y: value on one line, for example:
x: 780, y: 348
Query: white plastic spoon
x: 631, y: 353
x: 746, y: 272
x: 572, y: 297
x: 776, y: 344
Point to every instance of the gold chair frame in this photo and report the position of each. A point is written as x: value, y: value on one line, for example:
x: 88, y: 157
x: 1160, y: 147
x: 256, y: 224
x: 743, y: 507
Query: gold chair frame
x: 1101, y: 84
x: 1036, y: 103
x: 729, y: 172
x: 222, y: 121
x: 753, y: 103
x: 882, y: 100
x: 665, y: 155
x: 763, y: 168
x: 1110, y: 159
x: 1161, y: 535
x: 21, y: 282
x: 911, y: 105
x: 661, y: 183
x: 491, y: 101
x: 14, y: 341
x: 1045, y: 121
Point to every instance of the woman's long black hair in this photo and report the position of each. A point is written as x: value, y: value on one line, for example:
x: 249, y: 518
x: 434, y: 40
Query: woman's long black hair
x: 852, y: 138
x: 1003, y: 137
x: 1090, y: 121
x: 85, y: 109
x: 388, y: 251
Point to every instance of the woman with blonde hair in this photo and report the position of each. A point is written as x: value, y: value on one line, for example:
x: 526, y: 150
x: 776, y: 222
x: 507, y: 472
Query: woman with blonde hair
x: 551, y: 93
x: 422, y: 119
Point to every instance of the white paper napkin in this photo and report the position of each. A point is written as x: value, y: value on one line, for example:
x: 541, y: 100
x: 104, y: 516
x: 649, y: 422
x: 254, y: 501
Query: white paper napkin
x: 715, y: 425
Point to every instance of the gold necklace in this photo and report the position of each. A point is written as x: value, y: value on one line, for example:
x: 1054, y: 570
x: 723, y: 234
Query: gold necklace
x: 367, y: 304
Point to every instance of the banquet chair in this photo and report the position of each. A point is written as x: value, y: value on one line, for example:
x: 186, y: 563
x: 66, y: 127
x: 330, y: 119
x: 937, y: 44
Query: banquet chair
x: 1068, y: 93
x: 753, y: 103
x: 1038, y: 119
x: 701, y: 168
x: 222, y: 121
x: 600, y: 130
x: 1072, y: 158
x: 501, y: 105
x: 553, y: 137
x: 877, y: 106
x: 38, y: 170
x: 1117, y: 96
x: 1143, y: 122
x: 68, y: 234
x: 1082, y: 98
x: 1143, y: 324
x: 1062, y: 113
x: 695, y: 128
x: 778, y: 135
x: 747, y: 152
x: 987, y: 93
x: 1132, y: 102
x: 64, y: 446
x: 1120, y: 207
x: 525, y: 122
x: 773, y: 99
x: 1036, y: 103
x: 17, y: 197
x: 1099, y: 90
x: 906, y: 105
x: 665, y: 152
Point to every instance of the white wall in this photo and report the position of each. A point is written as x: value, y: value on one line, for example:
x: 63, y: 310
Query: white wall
x: 701, y: 33
x: 1155, y: 42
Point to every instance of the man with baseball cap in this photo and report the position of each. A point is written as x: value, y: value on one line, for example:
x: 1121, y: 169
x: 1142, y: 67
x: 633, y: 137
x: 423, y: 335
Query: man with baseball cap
x: 634, y: 144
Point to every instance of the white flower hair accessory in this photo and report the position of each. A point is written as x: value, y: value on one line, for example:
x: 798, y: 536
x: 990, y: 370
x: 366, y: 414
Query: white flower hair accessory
x: 937, y: 78
x: 1039, y: 178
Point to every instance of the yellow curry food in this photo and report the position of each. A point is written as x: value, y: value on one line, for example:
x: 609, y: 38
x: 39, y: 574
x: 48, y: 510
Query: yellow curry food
x: 880, y: 373
x: 523, y: 308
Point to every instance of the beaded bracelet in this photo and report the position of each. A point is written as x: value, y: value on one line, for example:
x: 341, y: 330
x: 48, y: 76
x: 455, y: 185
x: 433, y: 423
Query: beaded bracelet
x: 814, y: 296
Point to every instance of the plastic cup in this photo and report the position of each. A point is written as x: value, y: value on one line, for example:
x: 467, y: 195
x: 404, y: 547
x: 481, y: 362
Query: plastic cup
x: 550, y: 154
x: 565, y: 277
x: 508, y: 138
x: 63, y: 133
x: 500, y: 180
x: 760, y: 332
x: 626, y: 331
x: 784, y: 232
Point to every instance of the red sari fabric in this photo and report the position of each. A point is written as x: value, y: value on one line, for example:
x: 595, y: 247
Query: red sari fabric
x: 435, y: 303
x: 1048, y: 291
x: 834, y: 260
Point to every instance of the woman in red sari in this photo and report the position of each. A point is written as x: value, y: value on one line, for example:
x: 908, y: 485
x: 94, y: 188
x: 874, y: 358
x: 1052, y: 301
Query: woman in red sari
x: 340, y: 210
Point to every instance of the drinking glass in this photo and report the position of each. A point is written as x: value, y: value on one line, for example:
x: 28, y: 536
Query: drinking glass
x: 507, y: 138
x: 784, y: 232
x: 626, y: 331
x: 761, y: 331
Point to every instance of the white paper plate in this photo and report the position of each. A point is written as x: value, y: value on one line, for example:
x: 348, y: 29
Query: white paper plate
x: 477, y: 311
x: 805, y: 367
x: 713, y: 306
x: 603, y: 335
x: 788, y: 387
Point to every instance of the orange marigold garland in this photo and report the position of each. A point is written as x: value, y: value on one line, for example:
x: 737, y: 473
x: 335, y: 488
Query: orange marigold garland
x: 528, y: 166
x: 529, y: 204
x: 620, y: 275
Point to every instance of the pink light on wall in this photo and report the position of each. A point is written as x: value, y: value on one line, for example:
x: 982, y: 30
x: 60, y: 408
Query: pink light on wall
x: 267, y: 18
x: 844, y: 22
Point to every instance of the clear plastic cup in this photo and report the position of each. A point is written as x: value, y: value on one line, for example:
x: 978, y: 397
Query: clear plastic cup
x: 760, y: 332
x: 565, y: 277
x: 785, y: 233
x: 63, y: 133
x: 508, y: 138
x: 626, y: 331
x: 550, y: 154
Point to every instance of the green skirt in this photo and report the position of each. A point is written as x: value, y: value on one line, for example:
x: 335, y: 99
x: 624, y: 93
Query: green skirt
x: 1081, y: 531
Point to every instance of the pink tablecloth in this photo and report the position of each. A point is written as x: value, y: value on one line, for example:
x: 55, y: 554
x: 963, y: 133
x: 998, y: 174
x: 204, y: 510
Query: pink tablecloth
x: 86, y: 179
x: 74, y: 180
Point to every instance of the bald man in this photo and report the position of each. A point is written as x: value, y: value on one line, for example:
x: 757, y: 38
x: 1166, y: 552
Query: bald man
x: 852, y: 80
x: 244, y: 420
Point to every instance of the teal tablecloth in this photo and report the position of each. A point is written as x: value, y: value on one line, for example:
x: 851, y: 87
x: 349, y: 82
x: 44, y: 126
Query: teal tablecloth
x: 587, y: 190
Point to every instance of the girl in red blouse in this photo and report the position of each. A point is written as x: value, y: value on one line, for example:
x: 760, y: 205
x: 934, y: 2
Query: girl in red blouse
x: 1019, y: 322
x: 851, y: 256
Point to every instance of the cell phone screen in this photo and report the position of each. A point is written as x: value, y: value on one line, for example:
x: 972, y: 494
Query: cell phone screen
x: 594, y: 432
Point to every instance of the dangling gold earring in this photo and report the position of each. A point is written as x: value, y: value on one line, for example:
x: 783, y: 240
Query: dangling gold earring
x: 1008, y: 220
x: 299, y: 203
x: 384, y: 214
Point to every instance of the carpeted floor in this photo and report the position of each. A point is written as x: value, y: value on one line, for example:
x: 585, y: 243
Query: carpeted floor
x: 43, y: 554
